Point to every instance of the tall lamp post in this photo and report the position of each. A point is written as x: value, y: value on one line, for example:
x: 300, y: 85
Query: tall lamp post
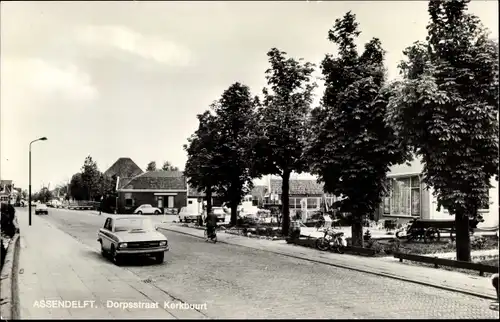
x: 29, y: 189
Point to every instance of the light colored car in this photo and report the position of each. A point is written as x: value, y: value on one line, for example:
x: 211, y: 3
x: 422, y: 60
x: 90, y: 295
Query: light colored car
x: 131, y: 235
x: 218, y: 211
x: 147, y: 209
x: 41, y: 209
x: 187, y: 215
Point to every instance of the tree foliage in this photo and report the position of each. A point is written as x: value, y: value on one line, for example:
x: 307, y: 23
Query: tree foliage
x: 447, y: 108
x: 167, y: 166
x: 283, y: 119
x: 151, y: 166
x: 44, y: 195
x: 91, y: 175
x: 235, y: 124
x: 353, y: 147
x: 202, y: 165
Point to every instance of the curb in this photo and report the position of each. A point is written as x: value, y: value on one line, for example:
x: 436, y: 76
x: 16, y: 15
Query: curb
x: 150, y: 291
x: 10, y: 308
x: 447, y: 288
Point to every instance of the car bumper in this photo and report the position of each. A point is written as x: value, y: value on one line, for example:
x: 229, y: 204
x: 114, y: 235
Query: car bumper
x: 190, y: 218
x: 125, y: 251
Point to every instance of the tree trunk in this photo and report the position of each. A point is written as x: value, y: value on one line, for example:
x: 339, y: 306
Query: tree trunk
x: 357, y: 230
x: 234, y: 213
x: 209, y: 200
x: 285, y: 200
x: 462, y: 237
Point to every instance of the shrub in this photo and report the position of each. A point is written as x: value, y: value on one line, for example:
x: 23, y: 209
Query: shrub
x: 478, y: 242
x: 376, y: 246
x: 367, y: 236
x: 393, y: 247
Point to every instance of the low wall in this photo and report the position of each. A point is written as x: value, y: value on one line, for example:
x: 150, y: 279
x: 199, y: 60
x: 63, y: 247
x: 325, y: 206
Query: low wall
x: 9, y: 304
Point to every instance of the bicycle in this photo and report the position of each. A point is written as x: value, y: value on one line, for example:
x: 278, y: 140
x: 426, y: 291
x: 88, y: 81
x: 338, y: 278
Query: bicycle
x: 212, y: 238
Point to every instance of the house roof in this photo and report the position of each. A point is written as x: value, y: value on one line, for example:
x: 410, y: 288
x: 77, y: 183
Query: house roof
x: 193, y: 192
x: 298, y: 187
x: 124, y: 167
x: 6, y: 186
x: 157, y: 180
x: 259, y: 191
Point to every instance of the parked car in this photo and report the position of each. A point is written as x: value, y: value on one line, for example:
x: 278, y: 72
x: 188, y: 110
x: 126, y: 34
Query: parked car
x: 41, y: 209
x: 131, y: 235
x: 147, y: 209
x: 187, y: 215
x: 219, y: 212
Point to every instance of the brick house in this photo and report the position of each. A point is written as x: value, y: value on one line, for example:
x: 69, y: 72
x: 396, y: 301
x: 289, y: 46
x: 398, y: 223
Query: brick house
x: 166, y: 190
x: 6, y: 189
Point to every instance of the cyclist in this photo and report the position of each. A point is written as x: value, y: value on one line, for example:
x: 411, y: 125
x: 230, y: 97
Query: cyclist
x: 211, y: 222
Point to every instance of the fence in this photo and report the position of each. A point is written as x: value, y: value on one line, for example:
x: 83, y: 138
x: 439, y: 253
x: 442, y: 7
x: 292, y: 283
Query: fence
x: 482, y: 268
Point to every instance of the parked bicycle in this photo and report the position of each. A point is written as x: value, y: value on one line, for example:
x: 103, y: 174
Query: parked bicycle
x: 332, y: 240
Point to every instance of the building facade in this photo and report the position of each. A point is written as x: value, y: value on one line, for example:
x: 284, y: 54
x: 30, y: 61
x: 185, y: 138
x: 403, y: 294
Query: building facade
x: 166, y: 190
x: 408, y: 197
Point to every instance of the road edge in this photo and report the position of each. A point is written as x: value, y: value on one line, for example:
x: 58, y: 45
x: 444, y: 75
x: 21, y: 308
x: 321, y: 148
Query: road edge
x: 10, y: 308
x: 471, y: 293
x: 142, y: 287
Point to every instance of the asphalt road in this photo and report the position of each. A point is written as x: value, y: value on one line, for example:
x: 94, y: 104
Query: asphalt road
x: 238, y: 282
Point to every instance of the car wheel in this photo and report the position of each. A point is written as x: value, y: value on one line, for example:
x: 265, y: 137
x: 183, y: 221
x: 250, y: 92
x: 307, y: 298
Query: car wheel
x: 160, y: 258
x: 157, y: 212
x: 103, y: 251
x: 139, y: 212
x: 114, y: 256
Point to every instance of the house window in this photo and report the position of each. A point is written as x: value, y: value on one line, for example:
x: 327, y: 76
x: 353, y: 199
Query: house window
x: 403, y: 198
x: 170, y: 202
x: 129, y: 202
x: 190, y: 202
x: 312, y: 203
x: 294, y: 203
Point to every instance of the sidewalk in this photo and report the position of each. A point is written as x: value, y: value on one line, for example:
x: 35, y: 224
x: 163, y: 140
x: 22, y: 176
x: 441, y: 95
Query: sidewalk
x: 54, y: 266
x: 453, y: 281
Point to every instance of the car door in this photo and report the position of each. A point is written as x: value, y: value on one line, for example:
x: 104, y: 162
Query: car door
x: 106, y: 234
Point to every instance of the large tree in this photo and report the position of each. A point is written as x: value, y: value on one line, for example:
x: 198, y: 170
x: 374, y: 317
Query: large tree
x: 90, y: 177
x: 447, y: 108
x: 283, y: 119
x: 77, y: 189
x: 202, y: 165
x: 235, y: 113
x: 352, y: 147
x: 167, y: 166
x: 151, y: 166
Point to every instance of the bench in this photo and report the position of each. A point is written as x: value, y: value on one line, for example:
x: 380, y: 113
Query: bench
x: 482, y: 268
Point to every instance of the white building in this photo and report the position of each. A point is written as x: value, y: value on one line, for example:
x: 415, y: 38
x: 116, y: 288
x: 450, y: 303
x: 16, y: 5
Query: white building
x: 409, y: 198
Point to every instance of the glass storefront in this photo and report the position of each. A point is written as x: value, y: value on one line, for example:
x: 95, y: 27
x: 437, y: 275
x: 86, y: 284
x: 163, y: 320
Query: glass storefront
x: 404, y: 197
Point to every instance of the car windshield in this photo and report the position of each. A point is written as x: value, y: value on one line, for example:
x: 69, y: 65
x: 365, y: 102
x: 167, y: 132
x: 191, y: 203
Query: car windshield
x: 133, y: 224
x: 146, y: 206
x: 218, y: 211
x: 41, y: 206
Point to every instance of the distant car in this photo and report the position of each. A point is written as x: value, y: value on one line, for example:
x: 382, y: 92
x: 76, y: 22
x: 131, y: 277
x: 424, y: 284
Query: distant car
x: 187, y: 215
x: 131, y: 235
x: 147, y: 209
x: 41, y: 209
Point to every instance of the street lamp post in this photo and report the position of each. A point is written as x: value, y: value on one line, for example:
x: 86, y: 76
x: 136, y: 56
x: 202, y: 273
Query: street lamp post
x: 29, y: 187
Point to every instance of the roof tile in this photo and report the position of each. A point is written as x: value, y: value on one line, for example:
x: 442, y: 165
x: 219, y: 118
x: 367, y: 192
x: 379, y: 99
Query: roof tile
x: 157, y: 180
x: 298, y: 187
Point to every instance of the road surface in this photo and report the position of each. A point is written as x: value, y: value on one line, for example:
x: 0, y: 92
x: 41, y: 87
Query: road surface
x: 238, y: 282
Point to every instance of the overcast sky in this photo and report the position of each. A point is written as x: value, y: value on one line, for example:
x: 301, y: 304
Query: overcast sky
x: 126, y: 79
